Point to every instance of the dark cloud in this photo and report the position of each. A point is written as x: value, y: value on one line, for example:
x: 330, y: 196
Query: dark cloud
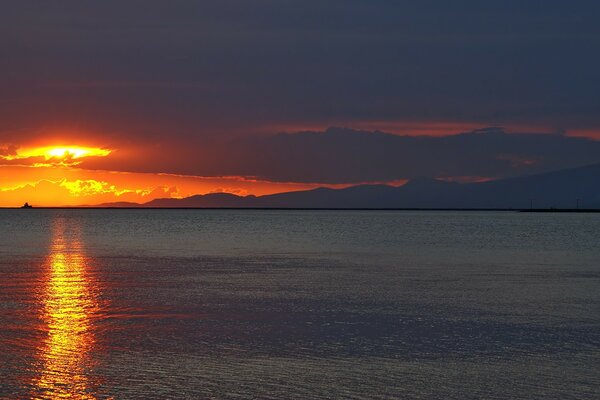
x: 186, y: 69
x: 347, y: 156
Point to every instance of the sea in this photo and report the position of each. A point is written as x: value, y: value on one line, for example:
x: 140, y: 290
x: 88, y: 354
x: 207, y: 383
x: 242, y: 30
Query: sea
x: 298, y: 304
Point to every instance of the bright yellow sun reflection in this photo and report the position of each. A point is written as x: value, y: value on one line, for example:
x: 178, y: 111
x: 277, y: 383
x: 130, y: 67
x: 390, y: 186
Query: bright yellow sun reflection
x: 69, y: 305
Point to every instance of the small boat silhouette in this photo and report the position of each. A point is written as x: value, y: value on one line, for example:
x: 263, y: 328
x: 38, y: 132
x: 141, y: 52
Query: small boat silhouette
x: 26, y: 205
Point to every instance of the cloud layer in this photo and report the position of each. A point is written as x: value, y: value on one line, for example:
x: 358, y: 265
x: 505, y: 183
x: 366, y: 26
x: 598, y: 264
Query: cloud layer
x: 164, y: 71
x: 347, y: 156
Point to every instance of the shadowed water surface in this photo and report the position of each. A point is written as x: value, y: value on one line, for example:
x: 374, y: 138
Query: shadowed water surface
x: 139, y: 304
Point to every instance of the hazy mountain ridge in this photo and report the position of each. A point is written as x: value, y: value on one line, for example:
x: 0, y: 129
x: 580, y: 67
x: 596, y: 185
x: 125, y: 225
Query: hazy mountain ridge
x: 559, y: 189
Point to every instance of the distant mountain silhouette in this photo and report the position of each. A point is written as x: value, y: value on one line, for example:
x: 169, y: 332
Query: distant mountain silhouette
x: 559, y: 189
x: 205, y: 200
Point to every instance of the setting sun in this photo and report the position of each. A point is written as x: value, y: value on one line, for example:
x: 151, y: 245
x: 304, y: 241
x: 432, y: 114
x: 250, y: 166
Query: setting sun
x: 59, y: 152
x: 75, y: 152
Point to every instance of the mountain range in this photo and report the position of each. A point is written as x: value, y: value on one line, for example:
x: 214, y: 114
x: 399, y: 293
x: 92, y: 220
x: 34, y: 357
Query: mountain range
x: 571, y: 188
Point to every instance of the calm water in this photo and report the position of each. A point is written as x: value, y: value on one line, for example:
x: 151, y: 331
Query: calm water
x: 176, y: 304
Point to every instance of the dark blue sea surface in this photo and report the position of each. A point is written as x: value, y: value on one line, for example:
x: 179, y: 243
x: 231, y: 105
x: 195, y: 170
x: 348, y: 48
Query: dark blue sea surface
x: 246, y: 304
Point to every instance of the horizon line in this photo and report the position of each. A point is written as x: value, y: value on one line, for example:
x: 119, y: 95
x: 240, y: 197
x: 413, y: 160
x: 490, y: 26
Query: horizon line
x: 516, y: 210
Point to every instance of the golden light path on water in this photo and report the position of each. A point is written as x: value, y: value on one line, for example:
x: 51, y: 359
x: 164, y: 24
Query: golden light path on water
x: 69, y: 304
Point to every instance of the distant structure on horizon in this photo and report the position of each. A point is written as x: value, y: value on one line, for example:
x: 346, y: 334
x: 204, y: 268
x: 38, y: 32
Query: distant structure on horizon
x: 26, y: 205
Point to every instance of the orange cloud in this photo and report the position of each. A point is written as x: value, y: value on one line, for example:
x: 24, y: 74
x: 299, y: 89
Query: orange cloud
x: 69, y: 186
x: 79, y: 192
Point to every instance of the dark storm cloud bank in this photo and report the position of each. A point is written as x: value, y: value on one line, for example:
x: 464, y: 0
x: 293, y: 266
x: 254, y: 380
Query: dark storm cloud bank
x: 155, y: 67
x: 348, y: 156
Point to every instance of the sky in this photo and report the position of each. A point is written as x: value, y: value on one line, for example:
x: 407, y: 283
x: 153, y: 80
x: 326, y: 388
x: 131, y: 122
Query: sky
x: 133, y: 100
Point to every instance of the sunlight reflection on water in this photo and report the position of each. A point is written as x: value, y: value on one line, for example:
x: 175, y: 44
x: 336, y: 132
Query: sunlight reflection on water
x: 69, y: 304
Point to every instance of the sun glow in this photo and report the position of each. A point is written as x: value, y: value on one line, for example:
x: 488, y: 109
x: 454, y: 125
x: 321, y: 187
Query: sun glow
x: 58, y: 153
x: 74, y: 152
